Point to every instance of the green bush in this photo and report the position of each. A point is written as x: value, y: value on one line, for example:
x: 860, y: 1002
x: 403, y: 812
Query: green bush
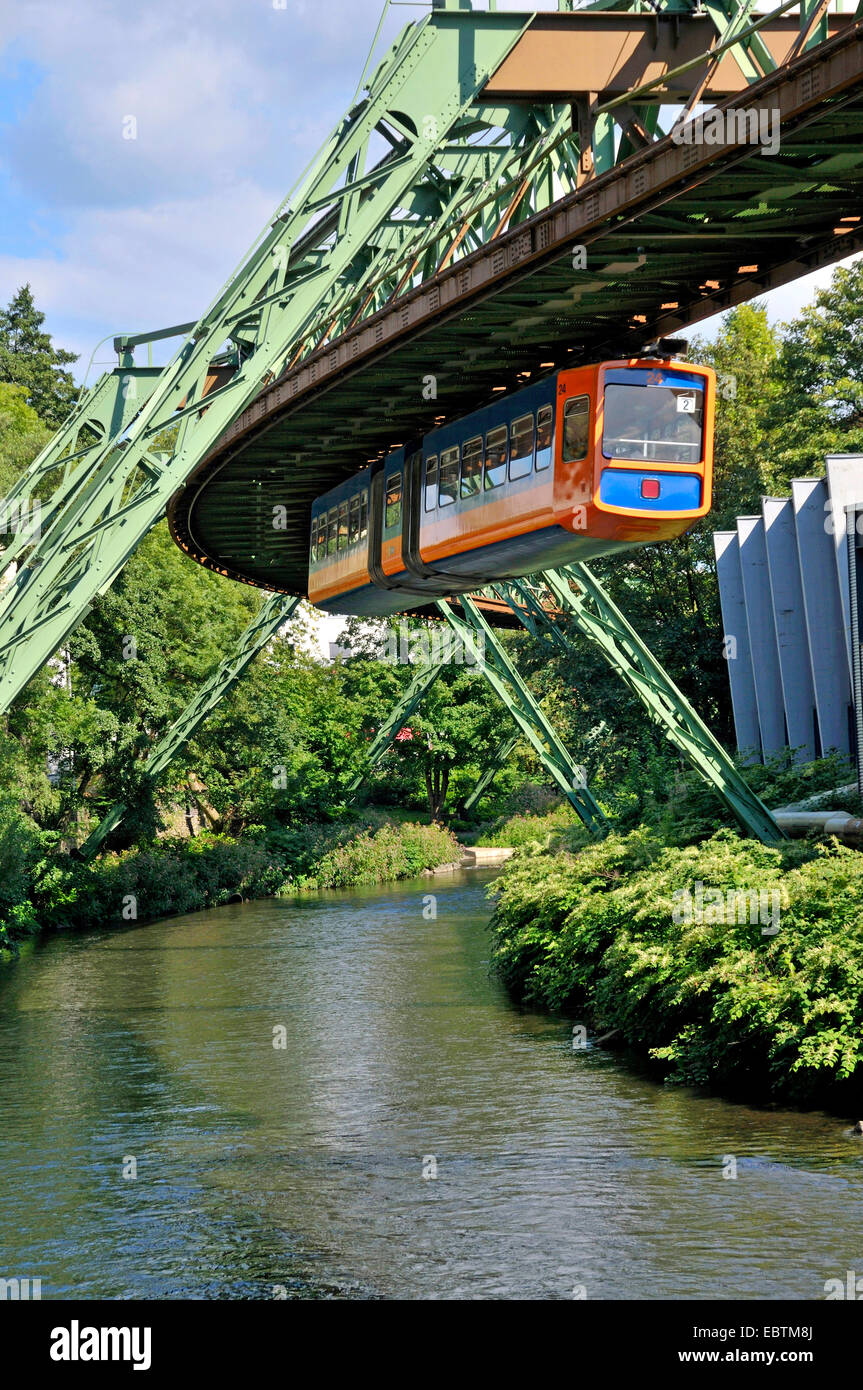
x: 547, y: 828
x: 20, y: 850
x: 341, y: 857
x: 710, y: 1002
x: 178, y: 876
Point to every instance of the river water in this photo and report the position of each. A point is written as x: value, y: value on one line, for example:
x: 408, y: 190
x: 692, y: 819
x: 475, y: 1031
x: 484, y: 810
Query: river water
x: 155, y: 1143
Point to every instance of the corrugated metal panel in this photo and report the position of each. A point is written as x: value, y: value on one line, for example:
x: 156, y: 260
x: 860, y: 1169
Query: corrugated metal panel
x: 786, y: 589
x: 762, y: 633
x: 845, y: 486
x: 823, y: 612
x: 726, y: 546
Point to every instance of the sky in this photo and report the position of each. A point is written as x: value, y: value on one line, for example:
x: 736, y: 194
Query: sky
x: 227, y: 100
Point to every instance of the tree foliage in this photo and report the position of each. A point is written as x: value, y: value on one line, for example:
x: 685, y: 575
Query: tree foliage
x: 284, y: 745
x: 29, y: 359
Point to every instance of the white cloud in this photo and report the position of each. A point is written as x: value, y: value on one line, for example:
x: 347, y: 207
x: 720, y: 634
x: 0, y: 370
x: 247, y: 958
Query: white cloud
x: 230, y: 101
x: 133, y: 269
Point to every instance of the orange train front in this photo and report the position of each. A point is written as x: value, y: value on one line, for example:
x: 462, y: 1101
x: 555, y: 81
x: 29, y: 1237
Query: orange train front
x: 586, y: 462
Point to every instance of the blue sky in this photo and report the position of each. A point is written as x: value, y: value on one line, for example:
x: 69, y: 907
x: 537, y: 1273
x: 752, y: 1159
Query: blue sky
x: 231, y: 98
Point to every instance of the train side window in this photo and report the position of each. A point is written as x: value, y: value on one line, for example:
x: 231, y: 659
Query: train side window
x: 495, y: 457
x: 313, y: 543
x: 343, y: 524
x: 332, y: 530
x: 544, y: 437
x: 394, y: 500
x: 576, y: 428
x: 521, y: 447
x: 471, y: 467
x: 431, y: 483
x: 321, y: 552
x: 364, y: 514
x: 448, y: 486
x: 354, y: 526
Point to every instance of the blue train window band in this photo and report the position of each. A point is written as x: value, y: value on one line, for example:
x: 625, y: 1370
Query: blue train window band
x: 650, y: 492
x: 648, y: 376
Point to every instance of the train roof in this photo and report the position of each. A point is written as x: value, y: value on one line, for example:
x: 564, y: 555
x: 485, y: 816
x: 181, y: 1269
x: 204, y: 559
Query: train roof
x: 344, y: 490
x: 498, y: 412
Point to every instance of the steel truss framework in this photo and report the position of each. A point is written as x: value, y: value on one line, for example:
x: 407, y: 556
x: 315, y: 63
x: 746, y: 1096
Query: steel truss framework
x: 543, y: 603
x: 423, y: 172
x: 420, y: 172
x: 484, y: 650
x: 672, y: 234
x: 576, y: 592
x: 270, y: 618
x: 539, y: 602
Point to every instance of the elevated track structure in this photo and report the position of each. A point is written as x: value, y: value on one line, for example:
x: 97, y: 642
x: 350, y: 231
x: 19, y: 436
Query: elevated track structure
x: 508, y: 192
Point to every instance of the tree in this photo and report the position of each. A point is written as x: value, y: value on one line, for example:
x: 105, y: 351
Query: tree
x: 28, y: 358
x: 22, y: 435
x: 817, y: 408
x: 147, y: 646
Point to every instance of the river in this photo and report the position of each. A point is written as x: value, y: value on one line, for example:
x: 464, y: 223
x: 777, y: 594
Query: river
x: 411, y: 1134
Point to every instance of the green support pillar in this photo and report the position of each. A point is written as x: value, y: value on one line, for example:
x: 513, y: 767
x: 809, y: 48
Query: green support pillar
x: 579, y: 593
x: 271, y: 616
x: 498, y: 758
x: 400, y: 714
x: 482, y: 644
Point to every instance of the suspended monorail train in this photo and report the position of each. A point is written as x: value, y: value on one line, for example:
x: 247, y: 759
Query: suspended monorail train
x: 589, y: 461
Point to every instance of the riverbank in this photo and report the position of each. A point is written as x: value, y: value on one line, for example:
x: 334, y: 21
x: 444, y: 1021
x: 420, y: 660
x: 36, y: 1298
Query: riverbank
x: 55, y: 893
x: 728, y: 964
x: 329, y: 1098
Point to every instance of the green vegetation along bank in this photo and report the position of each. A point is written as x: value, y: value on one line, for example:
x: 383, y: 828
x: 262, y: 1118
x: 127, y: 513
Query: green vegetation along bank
x: 53, y: 892
x: 725, y: 963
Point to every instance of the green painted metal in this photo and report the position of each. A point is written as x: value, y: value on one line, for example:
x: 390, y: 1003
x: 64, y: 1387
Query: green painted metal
x: 496, y: 762
x: 486, y: 650
x: 55, y: 475
x: 576, y: 591
x: 271, y: 616
x: 422, y: 682
x: 300, y: 274
x: 418, y: 173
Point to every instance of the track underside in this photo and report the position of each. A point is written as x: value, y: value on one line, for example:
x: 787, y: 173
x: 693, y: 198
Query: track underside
x: 671, y: 236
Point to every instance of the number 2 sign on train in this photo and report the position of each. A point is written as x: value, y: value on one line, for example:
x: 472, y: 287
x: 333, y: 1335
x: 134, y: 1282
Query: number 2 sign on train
x: 588, y: 461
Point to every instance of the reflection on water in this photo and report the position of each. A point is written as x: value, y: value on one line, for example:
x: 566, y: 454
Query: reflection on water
x: 283, y: 1074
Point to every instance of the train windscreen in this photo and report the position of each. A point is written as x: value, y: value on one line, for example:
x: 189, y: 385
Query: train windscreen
x: 654, y: 415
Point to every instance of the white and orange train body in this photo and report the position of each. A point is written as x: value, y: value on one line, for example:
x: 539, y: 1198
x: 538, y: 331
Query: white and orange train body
x: 586, y: 462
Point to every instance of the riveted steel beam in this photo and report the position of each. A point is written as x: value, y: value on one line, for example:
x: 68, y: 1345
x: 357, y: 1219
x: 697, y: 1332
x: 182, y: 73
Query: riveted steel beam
x: 484, y: 647
x: 282, y: 296
x: 496, y: 762
x: 429, y: 200
x: 578, y: 592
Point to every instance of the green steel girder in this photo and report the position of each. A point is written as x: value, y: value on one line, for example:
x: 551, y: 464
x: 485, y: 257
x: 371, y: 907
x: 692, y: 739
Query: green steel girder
x: 526, y: 602
x: 683, y: 258
x: 487, y: 652
x: 281, y: 297
x: 496, y: 762
x: 271, y: 616
x: 396, y: 720
x: 101, y: 414
x: 421, y: 170
x: 576, y: 591
x: 484, y: 650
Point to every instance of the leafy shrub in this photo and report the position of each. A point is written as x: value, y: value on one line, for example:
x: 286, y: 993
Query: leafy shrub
x: 546, y: 828
x: 178, y: 875
x: 20, y: 850
x: 345, y: 856
x: 718, y: 1003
